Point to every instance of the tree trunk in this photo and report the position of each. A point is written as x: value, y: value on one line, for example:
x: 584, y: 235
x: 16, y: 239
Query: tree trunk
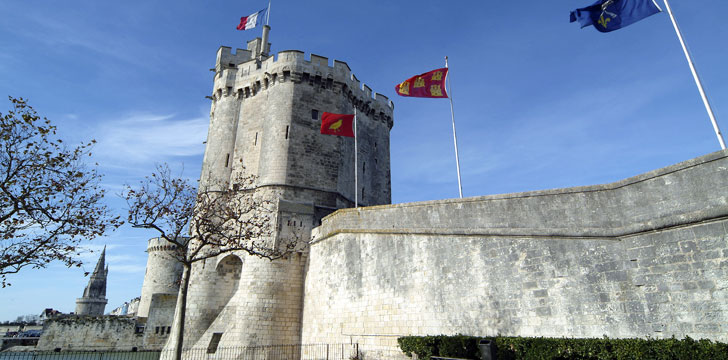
x: 180, y: 312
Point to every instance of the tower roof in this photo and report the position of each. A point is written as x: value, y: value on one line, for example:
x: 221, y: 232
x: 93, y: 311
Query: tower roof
x: 94, y: 295
x: 101, y: 265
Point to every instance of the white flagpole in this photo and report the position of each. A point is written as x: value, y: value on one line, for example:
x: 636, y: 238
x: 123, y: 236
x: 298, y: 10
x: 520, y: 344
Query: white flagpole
x: 267, y: 13
x: 454, y: 135
x: 696, y: 77
x: 356, y: 165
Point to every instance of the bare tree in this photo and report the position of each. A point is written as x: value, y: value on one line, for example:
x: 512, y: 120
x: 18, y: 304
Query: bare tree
x: 204, y: 223
x: 49, y: 200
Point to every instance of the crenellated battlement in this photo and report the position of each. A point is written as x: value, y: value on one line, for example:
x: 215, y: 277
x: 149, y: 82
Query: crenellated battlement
x: 240, y: 74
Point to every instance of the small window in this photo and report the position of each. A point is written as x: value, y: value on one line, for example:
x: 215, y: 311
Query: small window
x: 229, y: 90
x: 156, y: 330
x: 314, y: 114
x: 286, y: 131
x: 255, y: 143
x: 231, y: 65
x: 214, y: 342
x: 286, y: 75
x: 265, y: 83
x: 227, y: 160
x: 305, y: 77
x: 169, y: 329
x: 364, y: 168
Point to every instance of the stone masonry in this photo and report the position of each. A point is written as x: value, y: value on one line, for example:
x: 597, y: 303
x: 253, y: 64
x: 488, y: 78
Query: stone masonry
x: 265, y: 120
x: 645, y: 256
x: 162, y: 275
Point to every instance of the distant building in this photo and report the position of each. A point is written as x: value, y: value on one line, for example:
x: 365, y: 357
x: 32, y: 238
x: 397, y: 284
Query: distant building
x: 94, y: 300
x: 48, y: 313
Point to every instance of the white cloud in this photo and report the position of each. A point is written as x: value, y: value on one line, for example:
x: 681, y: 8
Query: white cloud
x: 149, y: 138
x: 61, y: 33
x: 127, y: 268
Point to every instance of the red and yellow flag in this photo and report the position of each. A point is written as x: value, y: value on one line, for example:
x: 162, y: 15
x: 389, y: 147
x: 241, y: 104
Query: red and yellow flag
x: 337, y: 124
x: 430, y: 84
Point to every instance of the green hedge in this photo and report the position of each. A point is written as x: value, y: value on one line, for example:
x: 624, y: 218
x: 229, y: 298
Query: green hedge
x: 507, y: 348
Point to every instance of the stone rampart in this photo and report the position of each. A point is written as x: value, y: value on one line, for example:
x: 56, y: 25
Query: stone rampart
x: 645, y: 256
x: 86, y: 333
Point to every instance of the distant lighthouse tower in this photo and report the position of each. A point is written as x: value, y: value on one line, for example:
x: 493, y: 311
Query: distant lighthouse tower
x: 94, y: 300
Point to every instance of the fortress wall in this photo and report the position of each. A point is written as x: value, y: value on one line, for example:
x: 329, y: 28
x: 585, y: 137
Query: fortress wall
x: 159, y: 322
x: 260, y: 306
x: 645, y: 256
x: 98, y: 333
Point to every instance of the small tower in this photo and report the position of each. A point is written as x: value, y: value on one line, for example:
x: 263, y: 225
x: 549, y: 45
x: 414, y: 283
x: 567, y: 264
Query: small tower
x: 94, y: 300
x: 162, y: 275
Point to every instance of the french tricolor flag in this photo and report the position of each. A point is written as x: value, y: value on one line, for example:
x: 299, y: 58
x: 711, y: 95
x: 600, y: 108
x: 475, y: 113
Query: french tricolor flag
x: 251, y: 21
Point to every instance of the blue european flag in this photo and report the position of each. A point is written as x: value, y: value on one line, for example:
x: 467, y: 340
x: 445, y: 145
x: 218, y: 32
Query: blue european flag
x: 610, y: 15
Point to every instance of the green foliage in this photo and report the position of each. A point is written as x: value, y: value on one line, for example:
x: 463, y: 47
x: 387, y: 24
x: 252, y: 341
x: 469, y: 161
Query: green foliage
x: 512, y: 348
x: 458, y: 346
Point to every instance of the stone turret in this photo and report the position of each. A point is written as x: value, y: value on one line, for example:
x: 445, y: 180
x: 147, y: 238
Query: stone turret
x: 162, y: 275
x: 94, y: 300
x: 265, y: 121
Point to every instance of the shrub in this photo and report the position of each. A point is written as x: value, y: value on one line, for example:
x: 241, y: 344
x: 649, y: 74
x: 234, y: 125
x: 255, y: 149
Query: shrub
x: 512, y: 348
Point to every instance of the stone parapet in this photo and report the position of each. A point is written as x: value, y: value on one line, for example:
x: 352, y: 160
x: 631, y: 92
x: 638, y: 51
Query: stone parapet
x: 645, y: 256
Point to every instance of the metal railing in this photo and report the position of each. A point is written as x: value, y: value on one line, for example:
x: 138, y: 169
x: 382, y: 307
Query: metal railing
x: 271, y: 352
x: 80, y: 355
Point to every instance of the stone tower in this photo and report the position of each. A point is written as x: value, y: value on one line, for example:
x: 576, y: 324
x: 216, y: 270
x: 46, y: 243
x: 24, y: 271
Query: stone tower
x: 162, y: 275
x: 94, y: 300
x: 265, y: 120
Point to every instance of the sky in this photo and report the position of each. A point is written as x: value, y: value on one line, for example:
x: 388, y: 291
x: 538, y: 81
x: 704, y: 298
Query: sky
x: 539, y: 103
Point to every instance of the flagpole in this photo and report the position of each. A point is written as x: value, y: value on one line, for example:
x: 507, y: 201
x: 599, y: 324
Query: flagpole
x: 454, y: 135
x: 696, y: 77
x: 356, y: 165
x: 267, y: 13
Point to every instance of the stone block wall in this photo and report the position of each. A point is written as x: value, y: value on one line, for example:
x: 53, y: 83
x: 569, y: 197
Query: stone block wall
x: 159, y: 321
x: 86, y: 333
x: 646, y: 256
x: 259, y: 305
